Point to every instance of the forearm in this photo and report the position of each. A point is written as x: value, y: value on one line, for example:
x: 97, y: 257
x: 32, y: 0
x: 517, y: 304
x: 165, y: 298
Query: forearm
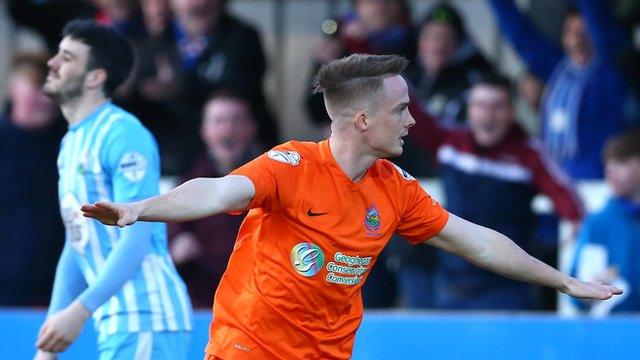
x: 499, y: 254
x: 197, y: 198
x: 495, y: 252
x: 121, y: 265
x: 539, y: 54
x: 69, y: 282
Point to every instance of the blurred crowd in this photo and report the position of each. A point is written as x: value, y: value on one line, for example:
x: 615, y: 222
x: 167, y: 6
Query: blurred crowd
x: 494, y: 142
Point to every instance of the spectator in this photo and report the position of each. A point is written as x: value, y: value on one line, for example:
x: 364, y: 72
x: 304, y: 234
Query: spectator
x: 528, y: 103
x: 204, y: 49
x: 373, y: 27
x: 491, y: 172
x: 583, y: 103
x: 448, y: 62
x: 31, y: 234
x: 608, y: 245
x: 201, y: 248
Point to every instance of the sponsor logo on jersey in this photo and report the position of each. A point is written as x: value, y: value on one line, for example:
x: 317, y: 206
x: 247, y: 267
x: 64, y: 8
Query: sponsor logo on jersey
x: 346, y: 269
x: 133, y: 166
x: 284, y: 156
x: 307, y: 259
x: 403, y: 173
x: 313, y: 213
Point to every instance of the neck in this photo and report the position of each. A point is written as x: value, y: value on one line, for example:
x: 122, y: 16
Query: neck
x: 78, y: 108
x: 635, y: 198
x: 349, y: 156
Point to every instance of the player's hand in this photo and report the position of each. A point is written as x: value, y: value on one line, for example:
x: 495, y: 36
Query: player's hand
x: 45, y: 355
x: 590, y: 290
x: 62, y: 328
x: 110, y: 213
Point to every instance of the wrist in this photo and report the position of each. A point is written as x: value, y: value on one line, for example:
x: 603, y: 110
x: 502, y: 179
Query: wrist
x: 138, y: 208
x: 566, y: 283
x: 79, y: 308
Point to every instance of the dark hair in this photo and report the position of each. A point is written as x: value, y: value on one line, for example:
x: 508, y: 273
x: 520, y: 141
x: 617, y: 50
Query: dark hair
x: 623, y: 147
x: 233, y: 95
x: 109, y: 50
x: 495, y: 80
x: 355, y: 77
x: 230, y: 94
x: 446, y: 14
x: 570, y: 11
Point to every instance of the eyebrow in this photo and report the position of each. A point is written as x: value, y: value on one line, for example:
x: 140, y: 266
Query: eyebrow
x: 403, y: 104
x: 67, y: 52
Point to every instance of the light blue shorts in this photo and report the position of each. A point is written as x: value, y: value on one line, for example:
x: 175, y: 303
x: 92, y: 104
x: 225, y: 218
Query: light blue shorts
x: 145, y: 345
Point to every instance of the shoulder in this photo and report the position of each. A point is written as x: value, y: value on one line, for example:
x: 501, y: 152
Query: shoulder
x: 121, y: 123
x: 295, y: 153
x: 388, y: 170
x: 231, y: 25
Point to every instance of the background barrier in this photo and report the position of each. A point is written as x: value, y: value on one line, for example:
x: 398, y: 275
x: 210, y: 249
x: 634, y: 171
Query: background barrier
x: 409, y: 335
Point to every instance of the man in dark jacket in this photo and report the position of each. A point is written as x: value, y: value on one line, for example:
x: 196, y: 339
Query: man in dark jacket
x: 204, y: 49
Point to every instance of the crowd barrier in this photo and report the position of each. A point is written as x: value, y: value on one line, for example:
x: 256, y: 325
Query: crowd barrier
x: 408, y: 335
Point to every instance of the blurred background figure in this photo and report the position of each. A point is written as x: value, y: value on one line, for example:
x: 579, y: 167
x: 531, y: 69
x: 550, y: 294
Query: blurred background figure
x: 379, y: 27
x: 48, y: 17
x: 201, y: 249
x: 609, y: 241
x: 31, y: 233
x: 527, y: 103
x: 583, y: 102
x: 200, y: 49
x: 490, y: 171
x: 447, y: 63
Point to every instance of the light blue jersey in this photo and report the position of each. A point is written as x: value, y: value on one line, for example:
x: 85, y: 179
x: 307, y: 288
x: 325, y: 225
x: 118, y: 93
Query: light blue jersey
x: 110, y: 156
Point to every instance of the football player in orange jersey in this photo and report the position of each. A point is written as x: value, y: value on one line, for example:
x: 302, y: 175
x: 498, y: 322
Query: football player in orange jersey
x: 320, y: 213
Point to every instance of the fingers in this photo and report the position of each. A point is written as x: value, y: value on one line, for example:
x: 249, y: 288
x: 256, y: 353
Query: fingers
x: 52, y: 341
x: 617, y: 291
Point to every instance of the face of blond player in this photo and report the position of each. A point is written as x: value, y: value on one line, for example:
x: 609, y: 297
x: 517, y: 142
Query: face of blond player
x: 490, y: 114
x: 67, y: 71
x: 391, y: 120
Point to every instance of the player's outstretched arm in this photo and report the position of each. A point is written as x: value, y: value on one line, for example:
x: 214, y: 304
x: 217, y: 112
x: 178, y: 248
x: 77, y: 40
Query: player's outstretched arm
x: 192, y: 200
x: 497, y: 253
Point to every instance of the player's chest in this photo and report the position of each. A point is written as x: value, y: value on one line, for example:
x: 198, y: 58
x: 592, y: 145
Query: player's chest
x: 77, y: 164
x: 345, y: 213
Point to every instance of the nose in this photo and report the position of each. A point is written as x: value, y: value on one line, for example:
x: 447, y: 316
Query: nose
x: 52, y: 62
x: 411, y: 122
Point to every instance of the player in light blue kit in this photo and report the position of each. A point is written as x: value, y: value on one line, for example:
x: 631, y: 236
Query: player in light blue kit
x: 124, y: 277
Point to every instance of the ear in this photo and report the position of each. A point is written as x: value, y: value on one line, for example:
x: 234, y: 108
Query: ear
x: 361, y: 121
x: 96, y: 78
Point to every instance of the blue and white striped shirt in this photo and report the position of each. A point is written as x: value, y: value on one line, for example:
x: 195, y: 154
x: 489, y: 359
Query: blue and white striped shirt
x: 110, y: 156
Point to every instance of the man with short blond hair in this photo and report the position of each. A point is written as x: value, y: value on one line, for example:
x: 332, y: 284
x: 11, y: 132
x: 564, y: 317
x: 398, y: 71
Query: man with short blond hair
x: 319, y: 215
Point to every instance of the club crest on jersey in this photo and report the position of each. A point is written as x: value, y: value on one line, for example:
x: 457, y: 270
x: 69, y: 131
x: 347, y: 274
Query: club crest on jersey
x: 372, y: 221
x: 307, y: 259
x: 284, y: 156
x: 133, y: 166
x: 404, y: 174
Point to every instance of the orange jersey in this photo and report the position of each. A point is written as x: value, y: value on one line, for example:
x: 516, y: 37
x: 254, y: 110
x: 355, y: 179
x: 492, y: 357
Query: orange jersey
x: 292, y: 286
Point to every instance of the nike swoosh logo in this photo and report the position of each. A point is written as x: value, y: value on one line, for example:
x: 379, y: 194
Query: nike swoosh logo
x: 311, y: 213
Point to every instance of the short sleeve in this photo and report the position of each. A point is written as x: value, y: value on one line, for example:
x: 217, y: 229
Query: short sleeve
x: 130, y: 156
x: 423, y: 217
x: 261, y: 172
